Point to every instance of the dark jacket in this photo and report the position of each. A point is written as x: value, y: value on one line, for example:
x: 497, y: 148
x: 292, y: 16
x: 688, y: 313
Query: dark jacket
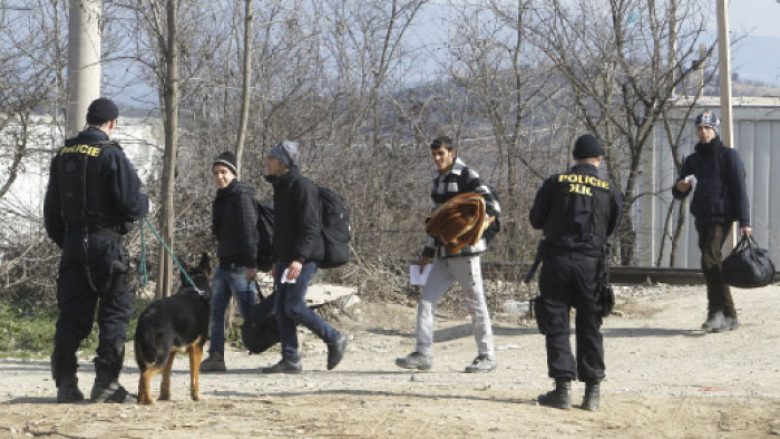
x: 460, y: 179
x: 298, y: 218
x: 234, y: 223
x: 113, y: 197
x: 720, y: 195
x: 577, y: 211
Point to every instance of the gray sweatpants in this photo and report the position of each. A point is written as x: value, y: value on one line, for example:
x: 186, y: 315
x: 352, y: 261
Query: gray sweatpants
x: 467, y: 271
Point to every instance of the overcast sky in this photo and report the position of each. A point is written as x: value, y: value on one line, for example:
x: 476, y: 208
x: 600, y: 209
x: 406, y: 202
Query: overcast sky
x: 755, y: 57
x: 758, y: 17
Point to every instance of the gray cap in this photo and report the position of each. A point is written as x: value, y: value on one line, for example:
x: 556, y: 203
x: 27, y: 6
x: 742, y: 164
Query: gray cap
x: 707, y: 119
x: 286, y: 152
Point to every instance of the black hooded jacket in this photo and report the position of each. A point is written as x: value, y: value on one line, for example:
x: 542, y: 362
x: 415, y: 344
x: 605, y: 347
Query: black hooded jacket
x: 720, y: 195
x: 298, y: 218
x: 234, y: 223
x: 577, y: 210
x: 114, y: 196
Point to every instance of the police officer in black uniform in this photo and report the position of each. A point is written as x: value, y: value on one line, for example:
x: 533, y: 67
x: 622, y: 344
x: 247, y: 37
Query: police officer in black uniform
x: 577, y: 212
x: 94, y: 196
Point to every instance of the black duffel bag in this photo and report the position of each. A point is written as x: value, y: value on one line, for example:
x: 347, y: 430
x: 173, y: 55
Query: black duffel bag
x: 260, y: 331
x: 748, y: 265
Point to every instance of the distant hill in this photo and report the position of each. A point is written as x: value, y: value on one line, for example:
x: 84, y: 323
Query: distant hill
x: 754, y: 58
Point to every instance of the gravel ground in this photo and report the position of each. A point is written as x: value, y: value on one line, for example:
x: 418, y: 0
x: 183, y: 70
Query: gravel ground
x: 665, y: 378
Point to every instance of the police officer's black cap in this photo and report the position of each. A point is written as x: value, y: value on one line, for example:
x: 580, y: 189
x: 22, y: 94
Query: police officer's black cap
x: 587, y: 146
x: 228, y: 160
x: 102, y: 110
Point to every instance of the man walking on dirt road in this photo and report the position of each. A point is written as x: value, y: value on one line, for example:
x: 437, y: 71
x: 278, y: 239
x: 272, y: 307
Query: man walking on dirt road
x: 453, y: 177
x: 298, y: 249
x: 719, y: 199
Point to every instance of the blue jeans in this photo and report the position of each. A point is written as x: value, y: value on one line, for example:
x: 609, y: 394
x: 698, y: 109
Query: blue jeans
x: 291, y: 310
x: 225, y: 283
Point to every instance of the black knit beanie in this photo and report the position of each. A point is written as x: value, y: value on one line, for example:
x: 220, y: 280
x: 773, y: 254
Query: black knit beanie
x: 227, y: 159
x: 587, y: 146
x: 101, y: 110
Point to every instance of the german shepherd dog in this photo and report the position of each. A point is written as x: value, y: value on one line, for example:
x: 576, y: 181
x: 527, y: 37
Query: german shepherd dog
x: 177, y: 323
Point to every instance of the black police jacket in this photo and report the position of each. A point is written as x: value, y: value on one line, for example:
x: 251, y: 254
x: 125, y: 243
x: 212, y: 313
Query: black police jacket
x: 106, y: 196
x: 721, y: 194
x: 577, y: 211
x: 297, y: 218
x: 234, y: 223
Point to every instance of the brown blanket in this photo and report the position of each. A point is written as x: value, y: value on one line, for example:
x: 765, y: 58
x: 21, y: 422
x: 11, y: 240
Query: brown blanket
x: 458, y: 222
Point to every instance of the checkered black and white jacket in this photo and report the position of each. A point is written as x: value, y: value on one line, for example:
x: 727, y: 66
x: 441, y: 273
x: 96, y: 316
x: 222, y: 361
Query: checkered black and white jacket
x: 460, y: 179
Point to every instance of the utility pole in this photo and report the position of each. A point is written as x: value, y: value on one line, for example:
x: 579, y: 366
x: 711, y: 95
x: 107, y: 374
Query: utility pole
x: 83, y: 61
x: 727, y: 135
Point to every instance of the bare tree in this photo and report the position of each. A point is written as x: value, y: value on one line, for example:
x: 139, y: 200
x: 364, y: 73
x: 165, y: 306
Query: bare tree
x: 493, y: 63
x: 615, y: 67
x: 161, y: 29
x: 246, y: 79
x: 31, y: 79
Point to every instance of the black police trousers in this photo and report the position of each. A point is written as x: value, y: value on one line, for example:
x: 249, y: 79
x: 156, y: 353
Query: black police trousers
x: 571, y: 280
x: 80, y: 293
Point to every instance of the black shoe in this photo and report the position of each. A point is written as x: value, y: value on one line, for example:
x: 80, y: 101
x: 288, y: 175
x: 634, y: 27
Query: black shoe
x: 336, y: 351
x: 214, y: 363
x: 560, y: 397
x: 284, y: 366
x: 107, y: 391
x: 415, y: 360
x: 68, y: 390
x: 590, y: 401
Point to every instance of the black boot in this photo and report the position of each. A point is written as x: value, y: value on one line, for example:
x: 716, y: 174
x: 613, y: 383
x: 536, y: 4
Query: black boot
x: 284, y: 366
x: 68, y: 389
x: 559, y: 398
x: 107, y: 389
x: 590, y: 401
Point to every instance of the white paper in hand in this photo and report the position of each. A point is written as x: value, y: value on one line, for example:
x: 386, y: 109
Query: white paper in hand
x: 691, y: 179
x: 284, y: 277
x: 417, y: 278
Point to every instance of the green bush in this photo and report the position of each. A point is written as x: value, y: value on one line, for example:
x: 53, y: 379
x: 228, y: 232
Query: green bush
x: 30, y: 332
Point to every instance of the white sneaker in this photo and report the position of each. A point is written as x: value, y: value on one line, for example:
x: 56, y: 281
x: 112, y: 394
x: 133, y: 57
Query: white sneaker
x: 483, y: 363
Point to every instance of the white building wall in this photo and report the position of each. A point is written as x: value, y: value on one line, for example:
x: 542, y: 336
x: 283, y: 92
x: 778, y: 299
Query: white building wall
x: 22, y: 206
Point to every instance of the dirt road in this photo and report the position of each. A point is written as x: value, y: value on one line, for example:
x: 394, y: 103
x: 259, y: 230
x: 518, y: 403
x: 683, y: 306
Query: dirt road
x: 665, y: 378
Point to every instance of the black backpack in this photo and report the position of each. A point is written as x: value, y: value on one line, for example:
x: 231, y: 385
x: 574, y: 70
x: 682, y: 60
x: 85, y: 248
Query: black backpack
x: 265, y: 228
x: 335, y: 229
x: 495, y: 226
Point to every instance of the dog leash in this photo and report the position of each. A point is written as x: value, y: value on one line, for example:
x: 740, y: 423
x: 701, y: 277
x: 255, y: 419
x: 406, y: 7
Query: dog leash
x: 142, y: 262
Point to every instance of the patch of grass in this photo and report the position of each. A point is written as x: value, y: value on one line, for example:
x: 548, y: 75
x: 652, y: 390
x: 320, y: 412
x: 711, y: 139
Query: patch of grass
x: 26, y: 331
x: 233, y: 333
x: 29, y: 333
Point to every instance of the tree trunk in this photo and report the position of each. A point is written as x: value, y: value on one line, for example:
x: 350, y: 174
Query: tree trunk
x: 245, y: 89
x: 678, y: 231
x: 171, y: 110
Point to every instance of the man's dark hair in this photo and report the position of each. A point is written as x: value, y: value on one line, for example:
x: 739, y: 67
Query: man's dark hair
x: 444, y: 141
